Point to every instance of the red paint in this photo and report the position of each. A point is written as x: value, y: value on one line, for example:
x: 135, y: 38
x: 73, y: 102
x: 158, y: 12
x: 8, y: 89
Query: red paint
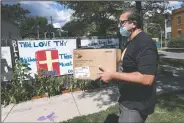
x: 43, y: 63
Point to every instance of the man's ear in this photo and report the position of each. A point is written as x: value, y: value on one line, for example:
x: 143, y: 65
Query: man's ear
x: 133, y: 25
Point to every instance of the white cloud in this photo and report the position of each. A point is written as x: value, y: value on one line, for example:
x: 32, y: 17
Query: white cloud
x: 175, y: 4
x: 57, y: 25
x: 60, y: 16
x: 48, y: 9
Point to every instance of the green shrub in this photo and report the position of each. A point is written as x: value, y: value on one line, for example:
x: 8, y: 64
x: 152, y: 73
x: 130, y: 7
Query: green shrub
x: 49, y: 85
x: 176, y: 42
x: 18, y: 89
x: 82, y: 84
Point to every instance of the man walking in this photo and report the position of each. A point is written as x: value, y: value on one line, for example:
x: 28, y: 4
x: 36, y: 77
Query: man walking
x: 137, y: 73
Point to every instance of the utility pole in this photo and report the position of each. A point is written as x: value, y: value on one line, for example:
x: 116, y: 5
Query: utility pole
x: 50, y: 27
x: 51, y: 19
x: 38, y: 35
x: 139, y: 9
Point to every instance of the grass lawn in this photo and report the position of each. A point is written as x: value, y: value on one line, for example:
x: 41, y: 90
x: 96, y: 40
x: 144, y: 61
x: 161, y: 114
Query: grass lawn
x: 170, y: 108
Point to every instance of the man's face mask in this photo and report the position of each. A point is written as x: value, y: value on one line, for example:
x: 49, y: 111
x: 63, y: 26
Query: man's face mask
x: 124, y: 32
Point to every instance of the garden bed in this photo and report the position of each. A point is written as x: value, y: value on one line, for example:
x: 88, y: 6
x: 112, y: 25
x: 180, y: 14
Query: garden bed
x: 62, y: 92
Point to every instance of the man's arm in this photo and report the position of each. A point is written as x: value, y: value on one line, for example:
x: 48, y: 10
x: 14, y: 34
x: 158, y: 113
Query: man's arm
x: 135, y: 77
x: 147, y: 67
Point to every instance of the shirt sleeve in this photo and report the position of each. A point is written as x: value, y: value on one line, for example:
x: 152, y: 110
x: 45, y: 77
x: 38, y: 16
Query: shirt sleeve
x: 147, y: 59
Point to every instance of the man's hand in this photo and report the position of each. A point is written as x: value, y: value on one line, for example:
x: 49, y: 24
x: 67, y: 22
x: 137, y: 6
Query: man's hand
x: 105, y: 76
x: 135, y: 77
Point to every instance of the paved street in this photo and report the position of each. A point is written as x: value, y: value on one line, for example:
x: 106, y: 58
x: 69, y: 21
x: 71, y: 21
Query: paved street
x: 171, y: 55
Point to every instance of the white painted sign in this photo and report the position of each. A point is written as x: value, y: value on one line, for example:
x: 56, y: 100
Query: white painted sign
x: 28, y: 48
x: 6, y: 64
x: 101, y: 43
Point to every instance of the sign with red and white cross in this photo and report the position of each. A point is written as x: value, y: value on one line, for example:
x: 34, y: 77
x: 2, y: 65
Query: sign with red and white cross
x: 48, y: 61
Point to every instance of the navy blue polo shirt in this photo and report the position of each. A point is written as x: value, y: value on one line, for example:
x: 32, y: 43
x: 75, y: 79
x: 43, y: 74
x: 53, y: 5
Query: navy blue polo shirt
x: 141, y: 56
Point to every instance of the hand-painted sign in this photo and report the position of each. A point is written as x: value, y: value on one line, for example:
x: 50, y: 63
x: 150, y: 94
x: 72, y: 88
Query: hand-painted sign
x: 101, y: 43
x: 49, y: 54
x: 41, y: 53
x: 15, y: 51
x: 48, y: 60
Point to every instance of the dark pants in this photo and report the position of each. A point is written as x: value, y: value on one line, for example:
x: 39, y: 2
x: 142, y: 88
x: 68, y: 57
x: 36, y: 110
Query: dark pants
x: 130, y: 116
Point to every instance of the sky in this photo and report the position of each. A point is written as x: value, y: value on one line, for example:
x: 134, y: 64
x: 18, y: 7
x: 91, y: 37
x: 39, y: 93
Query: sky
x: 60, y: 14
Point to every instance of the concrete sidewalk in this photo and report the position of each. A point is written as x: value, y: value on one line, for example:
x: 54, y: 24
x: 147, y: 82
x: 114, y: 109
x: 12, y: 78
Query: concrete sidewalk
x: 171, y: 55
x: 66, y: 106
x: 61, y: 107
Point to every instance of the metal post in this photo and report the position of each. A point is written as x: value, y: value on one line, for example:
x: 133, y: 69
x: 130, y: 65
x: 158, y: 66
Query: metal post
x: 45, y: 35
x: 160, y: 34
x: 53, y: 34
x: 78, y: 43
x: 160, y: 31
x: 146, y: 28
x: 139, y: 9
x: 38, y: 35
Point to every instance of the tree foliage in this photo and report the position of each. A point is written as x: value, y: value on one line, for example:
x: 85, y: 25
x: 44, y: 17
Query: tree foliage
x: 182, y: 4
x: 30, y: 25
x: 14, y: 13
x: 101, y: 17
x: 93, y: 17
x: 153, y: 12
x: 34, y: 24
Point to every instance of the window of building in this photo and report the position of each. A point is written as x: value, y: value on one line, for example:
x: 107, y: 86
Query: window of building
x: 179, y: 19
x: 168, y: 23
x: 179, y: 32
x: 168, y: 35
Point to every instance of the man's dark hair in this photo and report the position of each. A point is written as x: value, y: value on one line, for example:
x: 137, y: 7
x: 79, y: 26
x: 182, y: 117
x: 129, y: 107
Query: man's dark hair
x: 134, y: 16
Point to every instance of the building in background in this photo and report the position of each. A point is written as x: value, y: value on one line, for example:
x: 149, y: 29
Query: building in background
x: 178, y: 22
x: 168, y: 25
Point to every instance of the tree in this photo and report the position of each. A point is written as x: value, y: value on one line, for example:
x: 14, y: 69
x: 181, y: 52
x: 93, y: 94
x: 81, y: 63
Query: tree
x: 33, y: 25
x: 94, y: 17
x: 154, y: 12
x: 13, y: 13
x: 101, y: 18
x: 75, y: 28
x: 182, y: 4
x: 158, y: 21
